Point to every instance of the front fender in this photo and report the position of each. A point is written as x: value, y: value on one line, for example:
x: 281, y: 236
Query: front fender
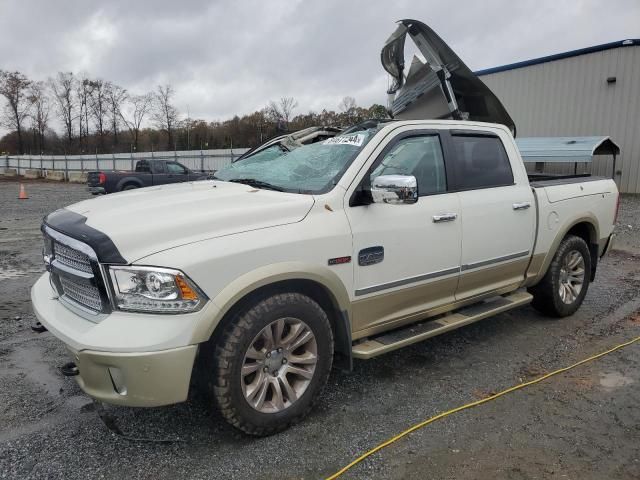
x: 270, y: 274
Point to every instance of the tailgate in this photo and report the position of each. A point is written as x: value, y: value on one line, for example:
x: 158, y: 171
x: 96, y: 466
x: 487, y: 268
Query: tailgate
x: 93, y: 179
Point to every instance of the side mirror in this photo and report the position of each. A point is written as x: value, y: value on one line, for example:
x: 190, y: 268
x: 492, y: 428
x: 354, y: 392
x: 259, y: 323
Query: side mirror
x: 395, y: 189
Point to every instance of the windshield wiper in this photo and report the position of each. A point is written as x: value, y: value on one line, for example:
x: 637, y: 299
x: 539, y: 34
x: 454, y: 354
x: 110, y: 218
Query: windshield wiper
x: 252, y: 182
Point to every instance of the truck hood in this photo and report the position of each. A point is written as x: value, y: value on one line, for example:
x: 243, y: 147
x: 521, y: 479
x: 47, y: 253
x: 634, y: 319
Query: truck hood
x: 145, y: 221
x: 440, y: 87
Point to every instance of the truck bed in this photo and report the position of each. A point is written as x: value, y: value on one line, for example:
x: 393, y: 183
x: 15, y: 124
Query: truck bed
x: 542, y: 180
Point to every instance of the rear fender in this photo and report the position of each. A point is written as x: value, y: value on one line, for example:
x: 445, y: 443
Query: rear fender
x: 593, y: 233
x: 128, y: 180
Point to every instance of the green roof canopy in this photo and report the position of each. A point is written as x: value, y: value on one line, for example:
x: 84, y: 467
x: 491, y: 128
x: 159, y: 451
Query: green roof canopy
x: 565, y: 149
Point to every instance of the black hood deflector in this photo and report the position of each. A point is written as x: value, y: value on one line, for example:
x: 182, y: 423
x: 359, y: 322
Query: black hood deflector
x: 74, y: 225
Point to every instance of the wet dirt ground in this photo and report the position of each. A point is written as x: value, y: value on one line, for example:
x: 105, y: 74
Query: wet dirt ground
x: 583, y: 424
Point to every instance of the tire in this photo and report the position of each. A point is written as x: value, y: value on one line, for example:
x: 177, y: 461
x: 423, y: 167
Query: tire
x: 129, y: 186
x: 548, y: 297
x: 244, y: 343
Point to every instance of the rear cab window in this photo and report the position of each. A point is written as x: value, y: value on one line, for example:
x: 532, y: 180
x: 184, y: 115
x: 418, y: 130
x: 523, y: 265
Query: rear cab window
x: 143, y: 166
x: 480, y: 161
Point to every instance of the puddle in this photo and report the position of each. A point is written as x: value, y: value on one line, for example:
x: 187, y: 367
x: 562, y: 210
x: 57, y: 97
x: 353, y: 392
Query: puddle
x: 7, y: 273
x: 614, y: 380
x: 38, y: 369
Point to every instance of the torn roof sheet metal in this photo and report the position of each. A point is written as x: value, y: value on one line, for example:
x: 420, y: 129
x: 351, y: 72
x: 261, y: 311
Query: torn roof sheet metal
x: 565, y: 149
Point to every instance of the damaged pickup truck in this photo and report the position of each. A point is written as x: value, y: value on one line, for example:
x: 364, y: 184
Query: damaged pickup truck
x: 347, y: 248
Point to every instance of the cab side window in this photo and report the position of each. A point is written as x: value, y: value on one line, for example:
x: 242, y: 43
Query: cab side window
x: 419, y: 156
x: 175, y: 168
x: 480, y: 162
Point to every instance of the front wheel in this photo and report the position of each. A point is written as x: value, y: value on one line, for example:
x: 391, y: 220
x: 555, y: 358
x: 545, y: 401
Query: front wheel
x: 563, y: 288
x: 270, y: 363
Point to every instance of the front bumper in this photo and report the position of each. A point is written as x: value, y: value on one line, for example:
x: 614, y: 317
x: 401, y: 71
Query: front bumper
x: 148, y: 379
x: 141, y: 361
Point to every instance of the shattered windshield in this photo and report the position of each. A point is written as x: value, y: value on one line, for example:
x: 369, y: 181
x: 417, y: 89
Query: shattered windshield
x: 310, y: 169
x: 268, y: 153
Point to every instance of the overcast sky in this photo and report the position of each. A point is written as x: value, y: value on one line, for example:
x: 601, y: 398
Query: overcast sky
x: 232, y: 57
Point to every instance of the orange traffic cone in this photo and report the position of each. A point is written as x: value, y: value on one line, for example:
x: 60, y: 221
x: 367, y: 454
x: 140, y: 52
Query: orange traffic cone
x: 23, y: 194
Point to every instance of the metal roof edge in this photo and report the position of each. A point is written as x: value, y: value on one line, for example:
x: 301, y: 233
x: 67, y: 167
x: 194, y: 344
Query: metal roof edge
x: 559, y: 56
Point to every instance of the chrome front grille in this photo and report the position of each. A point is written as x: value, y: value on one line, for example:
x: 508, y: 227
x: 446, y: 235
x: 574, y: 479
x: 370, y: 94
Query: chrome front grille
x: 86, y: 295
x: 76, y: 274
x: 72, y: 258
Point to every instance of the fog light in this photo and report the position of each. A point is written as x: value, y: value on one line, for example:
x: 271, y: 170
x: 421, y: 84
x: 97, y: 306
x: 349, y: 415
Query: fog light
x: 117, y: 380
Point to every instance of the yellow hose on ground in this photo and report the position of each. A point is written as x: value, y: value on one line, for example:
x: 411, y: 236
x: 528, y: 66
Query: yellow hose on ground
x: 424, y: 423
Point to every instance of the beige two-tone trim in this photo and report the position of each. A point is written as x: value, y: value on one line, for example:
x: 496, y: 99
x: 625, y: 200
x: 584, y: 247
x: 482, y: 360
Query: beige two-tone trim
x: 492, y: 261
x: 368, y: 306
x: 394, y: 308
x: 406, y: 281
x: 384, y: 308
x: 497, y: 274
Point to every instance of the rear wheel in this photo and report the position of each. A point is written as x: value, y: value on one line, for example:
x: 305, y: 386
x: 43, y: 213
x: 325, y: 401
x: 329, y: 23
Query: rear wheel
x: 130, y: 186
x: 270, y: 363
x: 563, y: 288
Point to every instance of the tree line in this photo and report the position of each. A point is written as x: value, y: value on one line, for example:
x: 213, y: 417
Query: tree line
x: 99, y: 116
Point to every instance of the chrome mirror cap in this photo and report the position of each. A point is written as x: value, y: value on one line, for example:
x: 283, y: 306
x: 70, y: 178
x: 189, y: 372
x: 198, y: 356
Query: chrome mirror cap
x: 395, y: 189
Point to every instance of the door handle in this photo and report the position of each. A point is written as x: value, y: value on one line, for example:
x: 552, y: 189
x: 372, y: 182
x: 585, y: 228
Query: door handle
x: 521, y: 206
x: 445, y: 217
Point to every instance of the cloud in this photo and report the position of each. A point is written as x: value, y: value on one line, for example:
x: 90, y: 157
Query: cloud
x: 227, y: 58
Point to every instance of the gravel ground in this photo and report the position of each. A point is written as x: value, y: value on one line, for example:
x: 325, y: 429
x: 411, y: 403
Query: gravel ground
x: 628, y: 229
x: 582, y: 424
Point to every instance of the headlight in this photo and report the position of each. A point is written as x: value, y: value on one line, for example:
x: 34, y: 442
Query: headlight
x: 154, y: 290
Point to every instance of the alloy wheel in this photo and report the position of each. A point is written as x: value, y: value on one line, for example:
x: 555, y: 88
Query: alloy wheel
x: 279, y: 365
x: 572, y: 275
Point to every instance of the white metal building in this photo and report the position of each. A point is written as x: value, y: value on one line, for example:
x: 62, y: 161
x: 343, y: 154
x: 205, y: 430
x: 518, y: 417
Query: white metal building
x: 588, y: 92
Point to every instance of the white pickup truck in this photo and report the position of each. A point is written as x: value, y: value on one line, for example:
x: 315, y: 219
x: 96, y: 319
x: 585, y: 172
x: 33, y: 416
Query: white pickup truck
x: 348, y: 248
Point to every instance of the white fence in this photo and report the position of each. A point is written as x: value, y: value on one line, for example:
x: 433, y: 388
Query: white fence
x: 206, y: 160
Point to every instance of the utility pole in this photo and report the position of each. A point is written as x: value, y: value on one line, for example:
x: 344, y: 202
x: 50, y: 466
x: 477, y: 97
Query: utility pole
x: 188, y: 128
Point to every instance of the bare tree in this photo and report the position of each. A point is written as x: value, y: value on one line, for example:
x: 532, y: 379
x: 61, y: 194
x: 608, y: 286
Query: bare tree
x: 139, y: 106
x: 40, y: 111
x: 165, y: 115
x: 62, y: 87
x: 14, y: 86
x: 98, y: 106
x: 281, y: 111
x: 348, y: 106
x: 83, y: 92
x: 116, y: 96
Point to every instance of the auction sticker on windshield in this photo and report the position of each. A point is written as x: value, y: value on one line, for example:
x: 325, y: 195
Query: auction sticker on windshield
x: 356, y: 140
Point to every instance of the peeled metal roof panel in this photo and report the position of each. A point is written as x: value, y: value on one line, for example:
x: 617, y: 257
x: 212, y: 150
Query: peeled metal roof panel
x: 442, y: 86
x: 565, y: 149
